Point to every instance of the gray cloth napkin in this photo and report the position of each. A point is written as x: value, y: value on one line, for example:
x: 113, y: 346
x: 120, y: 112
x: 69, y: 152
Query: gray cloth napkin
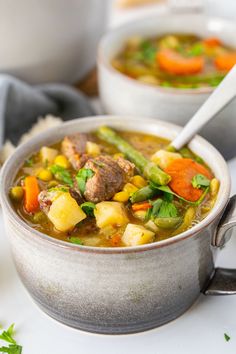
x: 22, y: 104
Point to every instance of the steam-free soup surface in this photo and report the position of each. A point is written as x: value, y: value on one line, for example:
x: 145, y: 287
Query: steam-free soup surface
x: 176, y: 60
x: 113, y: 189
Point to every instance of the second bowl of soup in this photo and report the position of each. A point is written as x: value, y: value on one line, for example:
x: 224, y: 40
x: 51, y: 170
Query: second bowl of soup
x: 166, y: 68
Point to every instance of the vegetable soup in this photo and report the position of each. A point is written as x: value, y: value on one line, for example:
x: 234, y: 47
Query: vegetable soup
x: 181, y: 60
x: 111, y: 189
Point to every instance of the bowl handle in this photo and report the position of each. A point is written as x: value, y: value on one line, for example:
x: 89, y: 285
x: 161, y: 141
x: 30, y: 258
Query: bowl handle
x: 223, y: 281
x: 226, y: 224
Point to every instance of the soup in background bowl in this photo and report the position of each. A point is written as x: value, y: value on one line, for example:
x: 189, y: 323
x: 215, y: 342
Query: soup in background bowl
x: 176, y: 60
x: 116, y: 289
x: 123, y: 95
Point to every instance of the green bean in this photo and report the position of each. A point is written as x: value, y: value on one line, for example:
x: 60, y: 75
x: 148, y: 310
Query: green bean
x: 149, y: 169
x: 142, y: 194
x: 187, y: 220
x: 168, y: 223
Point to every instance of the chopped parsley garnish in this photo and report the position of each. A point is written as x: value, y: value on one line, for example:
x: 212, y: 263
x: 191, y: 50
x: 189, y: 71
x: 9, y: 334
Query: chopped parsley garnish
x: 168, y: 197
x: 76, y: 240
x: 148, y: 51
x: 161, y: 209
x: 13, y: 347
x: 227, y: 337
x: 167, y: 210
x: 82, y: 176
x: 88, y: 208
x: 196, y: 50
x: 62, y: 174
x: 166, y: 189
x: 200, y: 181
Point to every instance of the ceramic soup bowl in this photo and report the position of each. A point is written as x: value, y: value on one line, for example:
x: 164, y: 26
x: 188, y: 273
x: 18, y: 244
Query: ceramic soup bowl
x: 120, y: 290
x: 123, y: 95
x: 50, y: 41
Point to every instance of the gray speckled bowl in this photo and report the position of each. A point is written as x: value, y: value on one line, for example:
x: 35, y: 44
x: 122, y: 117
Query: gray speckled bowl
x: 121, y: 290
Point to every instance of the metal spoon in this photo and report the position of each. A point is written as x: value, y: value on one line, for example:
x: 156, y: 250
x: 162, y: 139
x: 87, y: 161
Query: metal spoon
x: 221, y: 97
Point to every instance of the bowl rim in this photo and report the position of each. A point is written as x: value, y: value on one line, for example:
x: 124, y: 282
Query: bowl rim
x: 20, y: 223
x: 102, y: 60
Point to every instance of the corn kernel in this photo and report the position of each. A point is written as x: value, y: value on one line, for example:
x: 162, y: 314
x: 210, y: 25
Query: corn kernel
x: 45, y: 175
x: 117, y: 155
x: 17, y: 193
x: 138, y: 181
x: 130, y: 188
x: 62, y: 161
x: 121, y: 197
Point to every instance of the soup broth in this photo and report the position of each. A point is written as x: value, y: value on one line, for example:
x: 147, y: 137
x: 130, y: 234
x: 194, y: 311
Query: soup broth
x: 109, y: 189
x: 176, y: 60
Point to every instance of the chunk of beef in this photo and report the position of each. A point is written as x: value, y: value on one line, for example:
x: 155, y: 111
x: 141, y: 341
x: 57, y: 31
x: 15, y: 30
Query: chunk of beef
x: 109, y: 178
x: 74, y: 148
x: 45, y: 200
x: 46, y: 197
x: 127, y: 166
x: 75, y: 193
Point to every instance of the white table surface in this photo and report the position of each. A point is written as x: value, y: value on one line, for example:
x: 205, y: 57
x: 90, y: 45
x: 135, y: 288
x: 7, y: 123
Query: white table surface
x: 199, y: 330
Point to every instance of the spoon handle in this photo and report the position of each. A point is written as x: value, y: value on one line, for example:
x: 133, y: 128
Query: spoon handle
x: 221, y: 96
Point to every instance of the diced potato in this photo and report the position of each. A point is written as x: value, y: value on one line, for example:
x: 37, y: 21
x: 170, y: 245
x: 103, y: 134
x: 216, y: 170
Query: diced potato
x: 136, y: 235
x: 92, y: 148
x: 163, y: 158
x: 110, y: 213
x: 65, y: 213
x: 151, y: 226
x: 140, y: 214
x: 48, y: 154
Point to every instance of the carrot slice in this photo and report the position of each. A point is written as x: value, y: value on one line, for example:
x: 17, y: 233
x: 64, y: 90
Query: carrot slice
x: 116, y: 240
x: 175, y: 63
x: 141, y: 206
x: 225, y: 61
x: 212, y: 42
x: 31, y: 188
x: 182, y: 172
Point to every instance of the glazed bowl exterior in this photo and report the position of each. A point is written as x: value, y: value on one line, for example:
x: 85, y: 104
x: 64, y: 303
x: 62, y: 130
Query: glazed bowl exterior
x: 123, y: 95
x: 114, y: 290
